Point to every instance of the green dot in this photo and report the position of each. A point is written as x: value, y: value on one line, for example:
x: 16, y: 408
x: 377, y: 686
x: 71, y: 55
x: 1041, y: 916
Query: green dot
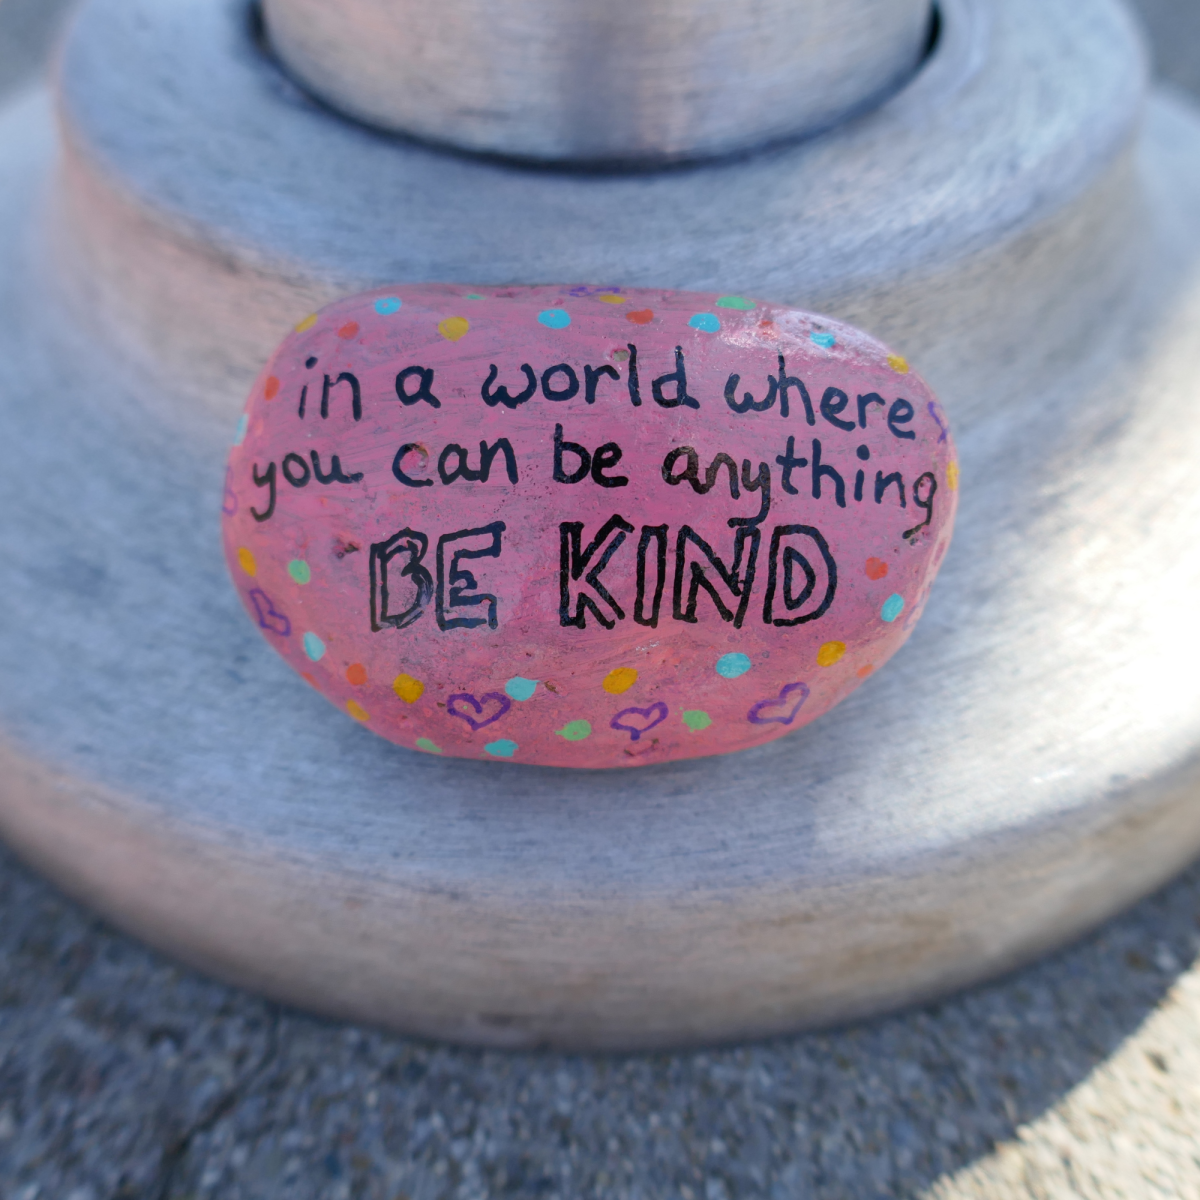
x: 734, y: 302
x: 428, y: 746
x: 299, y: 570
x: 575, y: 731
x: 696, y: 720
x: 473, y: 296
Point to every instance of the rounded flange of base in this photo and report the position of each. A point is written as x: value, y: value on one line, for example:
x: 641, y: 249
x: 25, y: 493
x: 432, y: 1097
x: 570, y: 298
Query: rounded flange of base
x: 1025, y: 766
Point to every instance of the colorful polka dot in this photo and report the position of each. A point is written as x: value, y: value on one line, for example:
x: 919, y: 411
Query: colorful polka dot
x: 314, y: 647
x: 620, y: 355
x: 876, y: 568
x: 356, y: 674
x: 825, y: 340
x: 731, y: 666
x: 893, y: 606
x: 504, y: 748
x: 898, y: 363
x: 610, y: 298
x: 348, y: 331
x: 271, y: 388
x: 428, y: 746
x: 705, y: 322
x: 453, y: 328
x: 696, y: 720
x: 575, y: 731
x: 472, y: 296
x: 640, y: 316
x: 519, y: 688
x: 307, y: 323
x: 239, y: 434
x: 387, y: 305
x: 357, y: 711
x: 409, y: 690
x: 952, y: 476
x: 619, y: 680
x: 735, y: 302
x: 300, y: 571
x: 555, y: 318
x: 830, y: 653
x: 863, y: 672
x: 246, y: 561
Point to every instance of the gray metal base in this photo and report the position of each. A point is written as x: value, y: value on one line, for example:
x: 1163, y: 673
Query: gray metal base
x: 1024, y: 767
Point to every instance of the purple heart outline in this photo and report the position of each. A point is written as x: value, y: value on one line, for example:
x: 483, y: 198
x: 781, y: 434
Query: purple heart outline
x: 500, y: 698
x: 780, y: 701
x: 269, y: 617
x: 656, y: 714
x: 933, y: 412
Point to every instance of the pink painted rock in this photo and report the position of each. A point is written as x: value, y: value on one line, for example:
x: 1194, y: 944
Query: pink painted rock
x: 583, y: 526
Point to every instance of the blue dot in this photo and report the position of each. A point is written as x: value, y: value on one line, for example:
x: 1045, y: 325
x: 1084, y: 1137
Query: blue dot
x: 239, y: 434
x: 555, y: 318
x: 730, y: 666
x: 314, y: 647
x: 893, y: 606
x: 705, y: 322
x: 388, y: 305
x: 519, y: 688
x: 825, y: 340
x: 502, y: 749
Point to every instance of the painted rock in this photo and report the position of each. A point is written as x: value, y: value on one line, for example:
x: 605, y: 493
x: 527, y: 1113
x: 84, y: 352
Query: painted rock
x: 582, y: 526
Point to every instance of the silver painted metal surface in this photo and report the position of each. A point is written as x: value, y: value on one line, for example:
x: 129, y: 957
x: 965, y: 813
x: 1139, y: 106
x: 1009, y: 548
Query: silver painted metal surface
x: 1026, y: 765
x: 623, y: 79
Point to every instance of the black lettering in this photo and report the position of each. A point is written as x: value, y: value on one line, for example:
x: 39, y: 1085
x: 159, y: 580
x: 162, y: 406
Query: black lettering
x: 658, y: 535
x: 748, y: 402
x: 462, y: 471
x: 635, y: 392
x: 424, y: 378
x: 762, y: 482
x: 290, y: 463
x: 303, y: 401
x: 794, y: 559
x: 900, y: 413
x: 692, y: 472
x: 414, y: 545
x: 355, y: 394
x: 463, y: 589
x: 607, y: 456
x: 573, y: 561
x: 585, y: 459
x: 785, y: 382
x: 926, y: 503
x: 335, y: 470
x: 268, y: 481
x: 563, y: 393
x: 487, y: 453
x: 883, y: 482
x: 398, y: 470
x: 818, y: 469
x: 736, y: 582
x: 501, y: 394
x: 829, y: 409
x: 789, y: 462
x: 865, y: 402
x: 593, y: 375
x: 679, y: 378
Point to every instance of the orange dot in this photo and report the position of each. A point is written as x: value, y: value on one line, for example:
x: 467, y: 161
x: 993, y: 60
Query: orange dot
x: 308, y: 678
x: 356, y: 674
x: 863, y: 672
x: 876, y: 568
x: 246, y: 561
x: 619, y: 680
x: 357, y: 711
x: 349, y: 330
x: 830, y: 653
x: 640, y: 316
x: 271, y: 388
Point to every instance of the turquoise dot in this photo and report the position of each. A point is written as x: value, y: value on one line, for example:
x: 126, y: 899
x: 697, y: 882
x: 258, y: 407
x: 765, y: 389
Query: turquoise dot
x: 239, y: 434
x: 473, y: 296
x: 388, y: 305
x: 825, y: 340
x: 893, y: 606
x: 730, y: 666
x: 735, y: 302
x: 314, y: 647
x: 555, y: 318
x: 705, y: 322
x: 502, y: 749
x: 520, y: 689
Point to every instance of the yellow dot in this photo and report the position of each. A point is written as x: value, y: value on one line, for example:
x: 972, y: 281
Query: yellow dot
x: 611, y: 298
x: 830, y: 653
x: 620, y: 680
x: 898, y: 363
x: 357, y: 711
x: 246, y: 561
x: 307, y: 323
x: 409, y: 690
x: 452, y: 328
x: 952, y: 476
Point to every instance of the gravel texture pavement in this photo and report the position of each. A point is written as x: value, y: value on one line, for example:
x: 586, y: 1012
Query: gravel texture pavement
x: 124, y: 1075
